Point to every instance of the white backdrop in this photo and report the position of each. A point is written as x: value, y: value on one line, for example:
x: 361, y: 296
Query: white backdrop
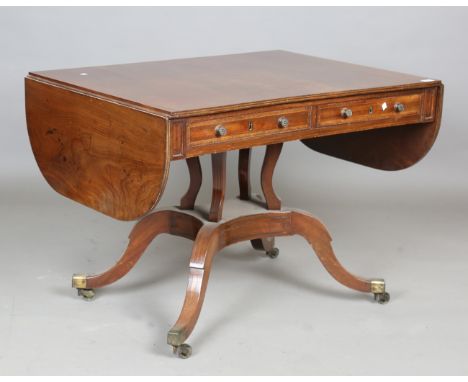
x: 410, y: 226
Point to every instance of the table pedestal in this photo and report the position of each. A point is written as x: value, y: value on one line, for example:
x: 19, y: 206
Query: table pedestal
x: 221, y: 224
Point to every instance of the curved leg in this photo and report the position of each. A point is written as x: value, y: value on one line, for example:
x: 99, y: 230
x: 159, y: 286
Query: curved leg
x: 210, y: 239
x: 301, y: 223
x: 187, y: 202
x: 318, y: 237
x: 213, y: 237
x: 243, y: 170
x: 272, y: 154
x: 266, y: 244
x: 218, y: 162
x: 168, y: 221
x: 205, y: 247
x: 272, y: 201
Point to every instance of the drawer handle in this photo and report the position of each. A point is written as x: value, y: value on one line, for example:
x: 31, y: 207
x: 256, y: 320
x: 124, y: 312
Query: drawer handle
x: 220, y: 131
x: 399, y: 107
x: 283, y: 122
x: 346, y: 113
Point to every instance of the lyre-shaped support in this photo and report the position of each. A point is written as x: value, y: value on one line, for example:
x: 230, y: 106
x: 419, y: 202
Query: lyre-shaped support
x: 243, y: 170
x: 272, y: 154
x: 272, y: 202
x: 218, y: 164
x: 187, y: 202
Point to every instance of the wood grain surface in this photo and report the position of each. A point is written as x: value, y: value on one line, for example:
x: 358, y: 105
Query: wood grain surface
x: 272, y: 154
x: 212, y: 238
x: 104, y: 136
x: 145, y: 231
x: 105, y: 156
x: 194, y: 86
x: 369, y: 111
x: 218, y: 172
x: 243, y: 174
x: 187, y: 201
x: 388, y: 149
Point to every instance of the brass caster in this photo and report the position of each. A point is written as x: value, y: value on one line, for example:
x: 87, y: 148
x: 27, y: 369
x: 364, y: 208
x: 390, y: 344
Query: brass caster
x: 79, y: 281
x: 382, y: 298
x: 87, y: 294
x: 273, y: 254
x: 183, y: 351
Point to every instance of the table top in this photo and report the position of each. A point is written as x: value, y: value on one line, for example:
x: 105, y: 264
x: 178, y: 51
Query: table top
x: 188, y: 87
x: 104, y: 136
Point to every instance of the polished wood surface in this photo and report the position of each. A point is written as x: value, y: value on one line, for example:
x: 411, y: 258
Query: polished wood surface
x: 202, y: 132
x: 209, y: 239
x: 110, y: 158
x: 243, y: 169
x: 388, y: 149
x: 194, y: 86
x: 145, y: 231
x: 244, y: 220
x: 324, y: 118
x: 272, y: 153
x: 104, y: 136
x: 218, y: 164
x: 212, y: 238
x: 187, y: 202
x: 266, y: 244
x: 372, y: 110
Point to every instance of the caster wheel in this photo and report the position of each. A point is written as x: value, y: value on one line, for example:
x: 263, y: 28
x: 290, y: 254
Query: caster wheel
x: 87, y: 294
x: 183, y: 351
x: 273, y: 254
x: 382, y: 298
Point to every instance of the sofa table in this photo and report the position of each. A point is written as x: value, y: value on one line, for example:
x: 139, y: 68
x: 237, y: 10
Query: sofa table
x: 105, y: 136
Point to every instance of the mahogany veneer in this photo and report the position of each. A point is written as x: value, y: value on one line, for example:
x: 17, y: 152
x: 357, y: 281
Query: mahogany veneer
x: 104, y: 137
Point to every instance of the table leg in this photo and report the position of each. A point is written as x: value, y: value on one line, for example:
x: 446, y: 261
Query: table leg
x: 218, y: 162
x: 316, y: 234
x: 171, y: 222
x: 243, y: 170
x: 272, y: 154
x: 187, y: 202
x: 213, y: 237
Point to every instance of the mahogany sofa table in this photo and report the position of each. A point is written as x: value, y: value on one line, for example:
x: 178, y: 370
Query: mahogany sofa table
x: 105, y: 136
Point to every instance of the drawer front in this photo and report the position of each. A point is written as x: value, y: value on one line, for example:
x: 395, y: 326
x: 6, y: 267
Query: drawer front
x: 399, y: 108
x: 232, y: 129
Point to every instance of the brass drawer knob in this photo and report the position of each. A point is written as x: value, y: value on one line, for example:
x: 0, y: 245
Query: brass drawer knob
x: 399, y: 107
x: 346, y: 113
x: 220, y: 131
x: 283, y: 122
